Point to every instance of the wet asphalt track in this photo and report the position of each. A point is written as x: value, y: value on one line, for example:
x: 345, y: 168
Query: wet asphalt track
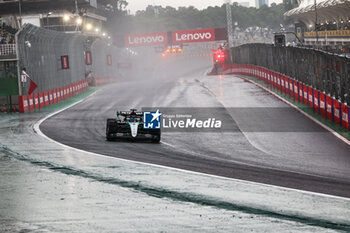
x: 267, y: 151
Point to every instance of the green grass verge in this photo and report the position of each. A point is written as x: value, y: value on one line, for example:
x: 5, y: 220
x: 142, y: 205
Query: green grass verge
x: 337, y: 128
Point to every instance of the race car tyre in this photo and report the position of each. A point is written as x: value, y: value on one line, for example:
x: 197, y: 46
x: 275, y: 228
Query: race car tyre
x: 156, y: 138
x: 110, y: 128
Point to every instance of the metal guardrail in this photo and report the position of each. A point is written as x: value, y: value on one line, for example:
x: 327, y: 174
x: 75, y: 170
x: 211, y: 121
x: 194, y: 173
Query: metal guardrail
x: 332, y: 33
x: 7, y: 49
x: 326, y: 72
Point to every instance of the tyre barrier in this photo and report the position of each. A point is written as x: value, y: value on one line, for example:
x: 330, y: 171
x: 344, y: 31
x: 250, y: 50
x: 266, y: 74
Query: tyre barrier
x: 43, y: 99
x: 321, y: 103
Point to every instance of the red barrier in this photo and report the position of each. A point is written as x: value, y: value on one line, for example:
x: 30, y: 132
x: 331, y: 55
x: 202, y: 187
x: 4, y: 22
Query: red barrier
x: 78, y: 85
x: 296, y: 91
x: 279, y: 82
x: 272, y: 79
x: 305, y: 94
x: 71, y: 88
x: 71, y: 93
x: 269, y: 79
x: 41, y: 100
x: 286, y: 84
x: 65, y: 93
x: 54, y: 94
x: 311, y: 96
x: 322, y: 98
x: 50, y: 97
x: 58, y: 91
x: 336, y: 108
x: 316, y: 101
x: 283, y: 85
x: 36, y: 100
x: 23, y: 103
x: 46, y: 99
x: 291, y: 87
x: 301, y: 93
x: 31, y: 102
x: 345, y: 116
x: 62, y: 95
x: 329, y: 107
x: 263, y: 74
x: 275, y: 79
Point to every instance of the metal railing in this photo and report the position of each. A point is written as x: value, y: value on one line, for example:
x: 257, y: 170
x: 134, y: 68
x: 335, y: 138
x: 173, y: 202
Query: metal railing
x: 7, y: 49
x: 333, y: 33
x: 326, y: 72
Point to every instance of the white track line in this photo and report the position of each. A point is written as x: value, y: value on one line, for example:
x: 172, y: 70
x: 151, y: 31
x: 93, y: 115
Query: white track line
x: 342, y: 138
x: 36, y: 129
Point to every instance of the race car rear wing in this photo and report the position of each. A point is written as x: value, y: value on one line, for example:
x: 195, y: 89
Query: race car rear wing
x: 129, y: 113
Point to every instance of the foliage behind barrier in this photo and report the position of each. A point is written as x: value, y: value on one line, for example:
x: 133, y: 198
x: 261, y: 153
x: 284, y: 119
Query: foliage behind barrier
x: 326, y: 72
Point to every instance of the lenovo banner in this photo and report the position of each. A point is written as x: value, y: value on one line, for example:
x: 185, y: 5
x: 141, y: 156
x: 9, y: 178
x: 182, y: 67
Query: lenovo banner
x: 188, y: 36
x: 155, y: 38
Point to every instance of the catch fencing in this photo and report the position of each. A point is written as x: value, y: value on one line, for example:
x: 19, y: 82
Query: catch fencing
x: 328, y: 73
x: 40, y: 52
x: 61, y: 64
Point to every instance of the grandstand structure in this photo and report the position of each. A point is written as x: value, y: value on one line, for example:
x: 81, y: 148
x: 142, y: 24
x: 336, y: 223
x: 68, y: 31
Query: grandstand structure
x: 324, y: 23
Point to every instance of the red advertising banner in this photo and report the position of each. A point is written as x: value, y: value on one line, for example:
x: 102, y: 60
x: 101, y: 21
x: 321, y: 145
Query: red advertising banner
x: 58, y: 95
x: 64, y: 62
x: 316, y: 105
x: 305, y: 96
x: 345, y: 116
x: 88, y: 59
x: 65, y: 92
x: 286, y: 84
x: 31, y: 102
x: 188, y: 36
x: 50, y: 97
x: 23, y: 103
x: 279, y: 82
x: 322, y: 104
x: 36, y: 101
x: 329, y: 107
x: 291, y: 87
x: 275, y: 79
x: 54, y: 94
x: 271, y: 78
x: 41, y: 100
x: 301, y: 93
x: 336, y: 109
x: 146, y: 39
x: 283, y: 89
x: 266, y: 74
x: 46, y: 99
x: 62, y: 93
x: 311, y: 96
x: 71, y: 90
x: 296, y: 91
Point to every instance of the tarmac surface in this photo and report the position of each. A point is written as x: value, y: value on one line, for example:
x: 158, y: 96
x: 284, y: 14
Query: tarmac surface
x: 270, y: 142
x: 46, y: 186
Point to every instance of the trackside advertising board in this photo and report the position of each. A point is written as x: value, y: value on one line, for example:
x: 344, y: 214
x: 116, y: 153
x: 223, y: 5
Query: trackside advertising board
x: 198, y: 35
x: 146, y: 39
x: 175, y: 37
